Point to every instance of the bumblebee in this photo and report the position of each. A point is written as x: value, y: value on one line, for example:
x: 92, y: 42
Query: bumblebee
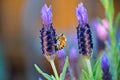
x: 61, y: 42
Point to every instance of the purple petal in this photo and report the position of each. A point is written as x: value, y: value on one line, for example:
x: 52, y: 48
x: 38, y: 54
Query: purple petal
x: 61, y: 53
x: 46, y: 14
x: 40, y: 78
x: 61, y: 57
x: 105, y: 63
x: 81, y: 14
x: 73, y: 54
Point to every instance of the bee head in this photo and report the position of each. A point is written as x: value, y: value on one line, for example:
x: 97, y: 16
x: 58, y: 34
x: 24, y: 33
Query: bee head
x: 62, y: 37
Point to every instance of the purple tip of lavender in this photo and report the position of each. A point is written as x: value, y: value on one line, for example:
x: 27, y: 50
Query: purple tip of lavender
x: 105, y: 68
x: 40, y: 78
x: 73, y: 54
x: 46, y: 14
x: 61, y: 53
x: 81, y: 14
x: 105, y: 64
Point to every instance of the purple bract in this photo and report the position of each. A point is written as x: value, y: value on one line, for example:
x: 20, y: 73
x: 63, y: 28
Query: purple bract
x: 46, y: 14
x: 105, y: 68
x: 81, y: 14
x: 105, y: 63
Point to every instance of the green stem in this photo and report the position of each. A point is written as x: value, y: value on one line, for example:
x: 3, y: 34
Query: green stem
x: 114, y: 54
x: 89, y: 67
x: 54, y: 69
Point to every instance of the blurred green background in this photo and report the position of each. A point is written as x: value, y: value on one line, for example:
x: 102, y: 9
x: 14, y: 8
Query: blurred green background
x: 20, y: 23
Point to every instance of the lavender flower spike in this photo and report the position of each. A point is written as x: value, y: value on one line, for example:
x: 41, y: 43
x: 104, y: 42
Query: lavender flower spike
x: 46, y: 14
x: 84, y: 36
x: 73, y: 55
x: 105, y: 68
x: 61, y: 57
x: 74, y: 63
x: 61, y: 54
x: 48, y: 34
x: 81, y: 14
x: 40, y: 78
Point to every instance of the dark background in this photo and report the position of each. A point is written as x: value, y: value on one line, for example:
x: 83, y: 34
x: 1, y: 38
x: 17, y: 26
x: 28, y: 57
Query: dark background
x: 20, y: 23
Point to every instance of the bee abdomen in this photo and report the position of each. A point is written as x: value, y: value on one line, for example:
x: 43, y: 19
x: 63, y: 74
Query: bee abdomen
x: 60, y: 46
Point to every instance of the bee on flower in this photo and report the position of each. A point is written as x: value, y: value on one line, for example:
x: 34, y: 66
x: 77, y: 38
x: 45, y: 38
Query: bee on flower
x: 61, y: 42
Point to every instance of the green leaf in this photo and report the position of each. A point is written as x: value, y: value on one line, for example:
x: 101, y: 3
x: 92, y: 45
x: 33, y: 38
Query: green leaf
x: 85, y: 75
x: 62, y: 75
x: 108, y: 47
x: 97, y: 72
x: 95, y: 67
x: 53, y: 78
x: 109, y: 10
x: 105, y: 3
x: 118, y: 71
x: 48, y: 77
x: 117, y: 21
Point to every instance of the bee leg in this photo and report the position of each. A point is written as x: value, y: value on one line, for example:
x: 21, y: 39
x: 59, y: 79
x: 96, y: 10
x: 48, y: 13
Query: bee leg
x: 57, y: 37
x: 55, y: 44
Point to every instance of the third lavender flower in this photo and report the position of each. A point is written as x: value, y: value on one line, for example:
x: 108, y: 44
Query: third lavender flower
x: 61, y: 57
x: 74, y: 63
x: 105, y: 68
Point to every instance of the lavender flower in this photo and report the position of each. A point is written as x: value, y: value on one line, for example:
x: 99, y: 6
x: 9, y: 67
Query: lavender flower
x: 84, y: 36
x: 40, y: 78
x: 105, y: 68
x: 48, y: 34
x: 102, y: 29
x: 61, y: 58
x: 74, y: 63
x: 73, y: 55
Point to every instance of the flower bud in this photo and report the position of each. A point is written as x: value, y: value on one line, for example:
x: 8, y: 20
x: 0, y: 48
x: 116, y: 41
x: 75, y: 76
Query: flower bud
x: 105, y: 68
